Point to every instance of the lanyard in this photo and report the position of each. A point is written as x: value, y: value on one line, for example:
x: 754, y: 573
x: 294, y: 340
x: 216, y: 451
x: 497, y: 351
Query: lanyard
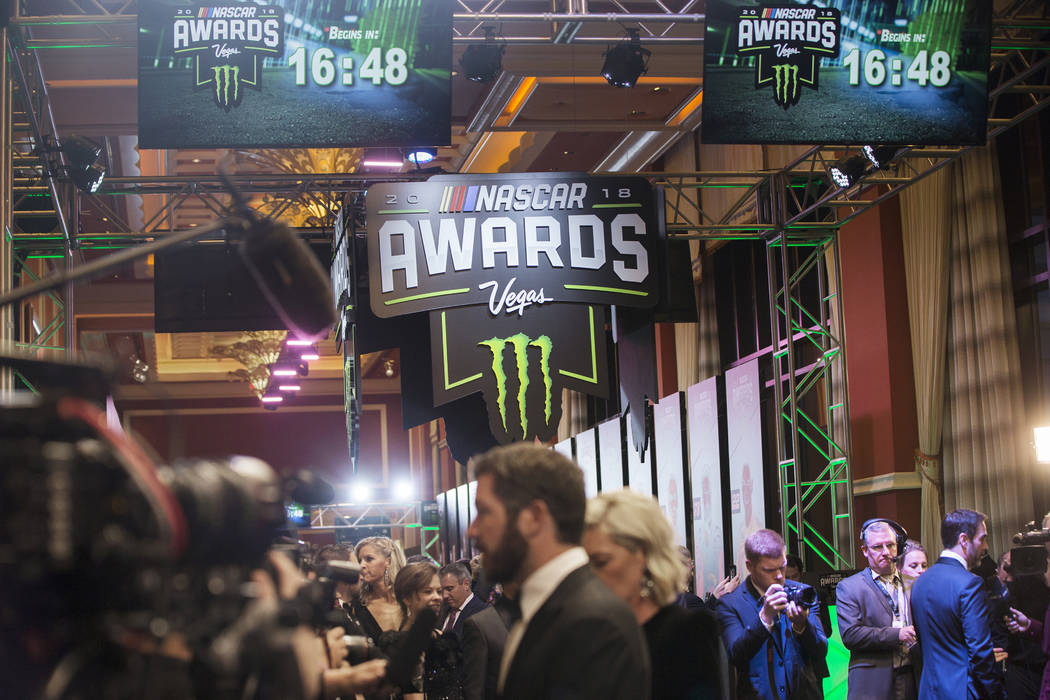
x: 891, y: 598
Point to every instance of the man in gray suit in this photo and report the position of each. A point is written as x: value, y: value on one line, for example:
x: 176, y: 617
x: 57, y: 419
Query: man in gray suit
x: 875, y: 621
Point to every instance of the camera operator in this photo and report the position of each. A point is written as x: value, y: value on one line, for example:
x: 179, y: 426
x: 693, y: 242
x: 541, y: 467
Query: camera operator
x: 875, y: 619
x: 1029, y: 602
x: 771, y: 627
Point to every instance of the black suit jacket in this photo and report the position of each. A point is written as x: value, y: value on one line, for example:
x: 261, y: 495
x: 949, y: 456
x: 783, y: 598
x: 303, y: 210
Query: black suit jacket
x: 484, y: 635
x: 951, y: 619
x: 584, y: 643
x: 474, y: 606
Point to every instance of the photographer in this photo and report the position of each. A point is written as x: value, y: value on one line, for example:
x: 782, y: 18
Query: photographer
x: 1027, y: 605
x: 771, y: 627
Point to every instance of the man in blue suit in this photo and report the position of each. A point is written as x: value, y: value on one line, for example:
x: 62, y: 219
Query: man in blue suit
x: 777, y: 646
x: 951, y: 617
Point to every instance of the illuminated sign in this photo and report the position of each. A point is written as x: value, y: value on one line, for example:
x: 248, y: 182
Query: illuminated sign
x: 511, y: 242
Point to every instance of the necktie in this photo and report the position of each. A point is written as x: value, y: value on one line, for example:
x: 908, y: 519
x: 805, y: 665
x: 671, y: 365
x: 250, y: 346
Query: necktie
x: 451, y: 620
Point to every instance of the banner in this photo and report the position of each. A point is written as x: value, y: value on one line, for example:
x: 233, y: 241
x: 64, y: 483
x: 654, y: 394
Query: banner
x: 667, y: 439
x: 587, y: 458
x: 744, y: 434
x: 705, y: 473
x: 610, y: 453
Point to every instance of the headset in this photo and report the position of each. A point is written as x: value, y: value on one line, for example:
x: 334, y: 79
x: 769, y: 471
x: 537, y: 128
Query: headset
x: 898, y: 529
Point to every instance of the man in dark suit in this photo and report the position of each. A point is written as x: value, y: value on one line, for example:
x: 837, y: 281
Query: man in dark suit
x: 875, y: 621
x: 575, y: 639
x: 460, y: 601
x: 951, y: 617
x: 484, y: 635
x: 777, y: 645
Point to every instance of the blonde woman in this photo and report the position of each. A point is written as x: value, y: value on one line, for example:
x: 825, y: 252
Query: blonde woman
x: 377, y: 610
x: 630, y: 544
x: 913, y: 563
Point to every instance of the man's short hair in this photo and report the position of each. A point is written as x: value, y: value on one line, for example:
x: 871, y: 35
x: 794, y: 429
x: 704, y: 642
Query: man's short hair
x: 795, y: 561
x: 461, y: 572
x: 958, y: 522
x: 876, y: 526
x: 763, y: 543
x: 523, y: 473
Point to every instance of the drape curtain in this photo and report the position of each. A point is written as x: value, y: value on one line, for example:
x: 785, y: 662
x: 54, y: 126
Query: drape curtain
x: 985, y: 464
x: 926, y: 223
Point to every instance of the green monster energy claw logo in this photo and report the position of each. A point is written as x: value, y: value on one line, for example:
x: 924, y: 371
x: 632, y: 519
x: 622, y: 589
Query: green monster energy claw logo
x: 520, y: 343
x: 785, y: 87
x: 226, y: 76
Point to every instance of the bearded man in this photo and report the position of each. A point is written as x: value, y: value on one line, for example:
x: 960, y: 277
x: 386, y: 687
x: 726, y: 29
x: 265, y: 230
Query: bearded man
x: 575, y: 638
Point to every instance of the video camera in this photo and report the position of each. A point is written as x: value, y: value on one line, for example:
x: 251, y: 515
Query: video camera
x: 104, y: 557
x: 1028, y: 556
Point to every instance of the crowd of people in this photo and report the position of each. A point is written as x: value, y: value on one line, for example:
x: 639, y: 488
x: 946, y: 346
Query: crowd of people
x: 587, y: 599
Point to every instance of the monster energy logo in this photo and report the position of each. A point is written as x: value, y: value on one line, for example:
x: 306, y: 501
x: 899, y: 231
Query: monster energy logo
x: 786, y: 86
x: 520, y: 344
x: 225, y: 76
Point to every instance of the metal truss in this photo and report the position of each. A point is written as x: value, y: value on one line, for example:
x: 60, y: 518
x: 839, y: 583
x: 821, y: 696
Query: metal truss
x: 809, y: 387
x: 356, y: 517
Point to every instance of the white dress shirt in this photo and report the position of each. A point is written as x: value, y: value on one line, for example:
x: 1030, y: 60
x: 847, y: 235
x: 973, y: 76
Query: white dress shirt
x: 458, y: 611
x: 957, y: 557
x: 535, y: 591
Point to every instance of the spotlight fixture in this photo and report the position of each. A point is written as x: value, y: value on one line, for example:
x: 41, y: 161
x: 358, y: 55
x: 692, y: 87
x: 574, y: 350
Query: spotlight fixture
x: 83, y: 155
x: 421, y: 156
x: 1041, y: 442
x: 846, y: 172
x: 482, y: 63
x: 626, y: 62
x: 382, y: 158
x: 882, y: 156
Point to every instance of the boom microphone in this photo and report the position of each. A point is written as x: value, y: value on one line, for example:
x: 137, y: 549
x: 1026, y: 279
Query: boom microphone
x: 290, y: 278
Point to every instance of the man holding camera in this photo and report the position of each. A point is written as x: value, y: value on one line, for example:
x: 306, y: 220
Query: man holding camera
x: 951, y: 616
x: 771, y: 628
x: 875, y: 620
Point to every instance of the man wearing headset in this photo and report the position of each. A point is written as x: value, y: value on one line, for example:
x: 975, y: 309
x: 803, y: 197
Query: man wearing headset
x: 875, y: 620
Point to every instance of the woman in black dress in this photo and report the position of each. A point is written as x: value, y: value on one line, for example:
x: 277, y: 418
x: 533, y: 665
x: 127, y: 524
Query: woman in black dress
x: 631, y: 547
x: 376, y: 608
x: 417, y: 587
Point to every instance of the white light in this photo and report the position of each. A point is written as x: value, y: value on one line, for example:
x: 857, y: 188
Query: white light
x: 839, y: 177
x: 404, y: 490
x: 289, y: 18
x: 901, y: 22
x: 1042, y: 443
x: 361, y: 492
x: 383, y: 163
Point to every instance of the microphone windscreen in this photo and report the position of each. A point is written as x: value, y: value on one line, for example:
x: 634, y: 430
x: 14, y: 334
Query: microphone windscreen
x: 290, y: 278
x: 402, y: 666
x: 308, y: 488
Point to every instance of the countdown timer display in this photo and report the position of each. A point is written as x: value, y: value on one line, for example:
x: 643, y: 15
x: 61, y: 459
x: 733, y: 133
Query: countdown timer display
x: 882, y: 71
x: 295, y: 74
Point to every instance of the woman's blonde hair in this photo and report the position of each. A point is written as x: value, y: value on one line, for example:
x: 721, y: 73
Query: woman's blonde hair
x: 636, y: 522
x: 390, y: 549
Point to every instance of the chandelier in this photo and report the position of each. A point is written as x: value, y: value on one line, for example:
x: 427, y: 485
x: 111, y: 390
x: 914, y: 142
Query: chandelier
x: 257, y: 351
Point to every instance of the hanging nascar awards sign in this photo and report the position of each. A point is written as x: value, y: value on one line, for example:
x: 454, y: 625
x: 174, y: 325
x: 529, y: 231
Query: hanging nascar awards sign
x: 880, y: 71
x: 513, y: 242
x: 294, y: 74
x: 516, y: 271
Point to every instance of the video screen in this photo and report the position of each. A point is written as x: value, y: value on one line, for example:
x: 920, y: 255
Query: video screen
x: 295, y: 74
x: 841, y: 72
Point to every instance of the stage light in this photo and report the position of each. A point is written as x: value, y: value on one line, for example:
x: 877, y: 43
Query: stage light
x: 309, y: 356
x: 482, y: 63
x: 298, y: 343
x: 84, y: 169
x: 284, y: 372
x: 882, y: 156
x: 361, y: 492
x: 1042, y: 443
x: 626, y: 62
x: 382, y: 158
x: 289, y: 387
x: 848, y: 171
x: 404, y: 490
x: 421, y: 156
